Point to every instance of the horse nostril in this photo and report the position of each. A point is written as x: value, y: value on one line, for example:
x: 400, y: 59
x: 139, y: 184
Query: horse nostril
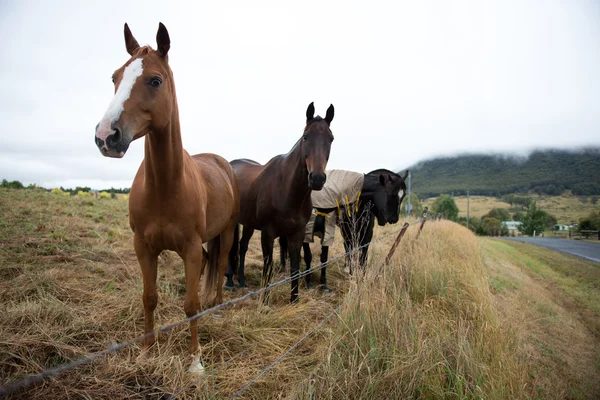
x: 114, y: 138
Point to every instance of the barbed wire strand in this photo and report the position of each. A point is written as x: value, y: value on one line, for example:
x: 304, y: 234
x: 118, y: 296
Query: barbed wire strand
x: 214, y: 371
x: 33, y: 379
x: 299, y: 387
x: 238, y: 355
x: 278, y: 359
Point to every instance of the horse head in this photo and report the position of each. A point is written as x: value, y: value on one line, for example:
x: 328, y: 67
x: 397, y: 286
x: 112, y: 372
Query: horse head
x: 144, y: 96
x: 387, y: 190
x: 316, y: 145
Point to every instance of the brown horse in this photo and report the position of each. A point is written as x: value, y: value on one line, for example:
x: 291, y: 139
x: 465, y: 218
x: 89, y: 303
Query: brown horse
x: 275, y: 198
x: 178, y: 201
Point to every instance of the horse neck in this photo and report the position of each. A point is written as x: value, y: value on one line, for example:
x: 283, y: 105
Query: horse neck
x: 297, y: 180
x: 367, y: 193
x: 163, y: 155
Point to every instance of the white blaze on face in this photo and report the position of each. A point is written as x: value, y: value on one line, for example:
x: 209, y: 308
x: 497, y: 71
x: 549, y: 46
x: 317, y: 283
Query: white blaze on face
x: 116, y: 106
x: 400, y: 193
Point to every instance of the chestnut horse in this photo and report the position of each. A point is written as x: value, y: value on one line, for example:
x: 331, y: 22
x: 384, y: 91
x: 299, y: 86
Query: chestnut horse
x: 177, y: 201
x: 275, y: 198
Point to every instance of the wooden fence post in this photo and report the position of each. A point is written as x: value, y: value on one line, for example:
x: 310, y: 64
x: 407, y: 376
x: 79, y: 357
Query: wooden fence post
x: 420, y: 229
x: 396, y: 242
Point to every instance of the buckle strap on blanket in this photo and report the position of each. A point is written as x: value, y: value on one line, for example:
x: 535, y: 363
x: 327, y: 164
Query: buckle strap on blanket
x: 348, y: 208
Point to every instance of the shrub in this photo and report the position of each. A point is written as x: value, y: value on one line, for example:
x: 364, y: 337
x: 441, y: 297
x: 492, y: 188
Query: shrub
x: 446, y: 206
x: 105, y: 195
x: 11, y: 185
x: 534, y: 220
x: 501, y: 214
x: 81, y: 193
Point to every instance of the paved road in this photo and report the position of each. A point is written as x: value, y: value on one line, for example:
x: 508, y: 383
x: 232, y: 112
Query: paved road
x: 587, y: 250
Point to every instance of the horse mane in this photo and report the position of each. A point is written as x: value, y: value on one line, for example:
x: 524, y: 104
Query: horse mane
x: 382, y: 171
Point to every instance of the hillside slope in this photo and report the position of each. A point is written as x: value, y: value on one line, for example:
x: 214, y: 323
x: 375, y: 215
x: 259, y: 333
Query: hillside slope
x: 548, y: 172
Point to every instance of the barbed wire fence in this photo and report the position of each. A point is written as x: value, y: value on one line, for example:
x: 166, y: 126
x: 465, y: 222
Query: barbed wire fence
x: 40, y: 377
x: 401, y: 233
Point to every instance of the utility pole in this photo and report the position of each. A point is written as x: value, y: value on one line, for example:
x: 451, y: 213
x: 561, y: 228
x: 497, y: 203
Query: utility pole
x: 408, y: 206
x: 467, y: 209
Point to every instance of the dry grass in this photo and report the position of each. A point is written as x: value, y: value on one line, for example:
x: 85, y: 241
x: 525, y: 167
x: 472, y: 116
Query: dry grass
x: 429, y: 327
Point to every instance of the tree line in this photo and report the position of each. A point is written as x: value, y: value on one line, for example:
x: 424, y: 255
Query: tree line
x: 18, y: 185
x: 543, y: 172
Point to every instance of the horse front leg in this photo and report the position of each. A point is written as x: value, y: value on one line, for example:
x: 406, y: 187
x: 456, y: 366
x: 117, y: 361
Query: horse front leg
x: 324, y: 257
x: 267, y: 240
x: 295, y: 244
x: 307, y: 261
x: 194, y: 265
x: 148, y: 259
x: 365, y: 239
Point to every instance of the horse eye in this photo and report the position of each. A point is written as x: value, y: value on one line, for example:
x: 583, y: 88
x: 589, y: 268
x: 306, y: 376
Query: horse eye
x: 155, y: 82
x: 305, y: 138
x: 113, y: 79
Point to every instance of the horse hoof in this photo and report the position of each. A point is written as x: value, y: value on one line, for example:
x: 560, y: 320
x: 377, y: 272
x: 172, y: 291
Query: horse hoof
x: 229, y: 288
x: 309, y: 285
x: 294, y: 299
x: 242, y: 285
x: 325, y: 289
x: 196, y: 368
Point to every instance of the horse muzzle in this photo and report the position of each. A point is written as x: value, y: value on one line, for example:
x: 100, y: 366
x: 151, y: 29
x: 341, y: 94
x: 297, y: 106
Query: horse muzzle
x: 111, y: 141
x: 316, y: 181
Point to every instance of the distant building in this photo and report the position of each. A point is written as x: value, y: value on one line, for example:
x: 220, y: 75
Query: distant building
x: 512, y: 227
x: 560, y: 227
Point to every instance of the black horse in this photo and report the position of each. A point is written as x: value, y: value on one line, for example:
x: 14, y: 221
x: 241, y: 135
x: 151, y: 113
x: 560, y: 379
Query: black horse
x: 381, y: 196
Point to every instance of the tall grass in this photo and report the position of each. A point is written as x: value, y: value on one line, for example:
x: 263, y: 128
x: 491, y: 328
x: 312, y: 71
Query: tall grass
x: 425, y: 328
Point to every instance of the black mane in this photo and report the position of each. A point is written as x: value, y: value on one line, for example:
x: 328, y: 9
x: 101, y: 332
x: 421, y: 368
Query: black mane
x: 382, y: 171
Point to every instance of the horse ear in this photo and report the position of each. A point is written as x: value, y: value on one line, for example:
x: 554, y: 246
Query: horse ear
x: 329, y: 115
x: 405, y: 175
x: 390, y: 178
x: 130, y: 43
x: 310, y: 111
x: 163, y: 42
x: 382, y: 179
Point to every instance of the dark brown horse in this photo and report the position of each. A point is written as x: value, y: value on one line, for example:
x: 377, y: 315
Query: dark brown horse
x: 275, y: 198
x: 178, y: 201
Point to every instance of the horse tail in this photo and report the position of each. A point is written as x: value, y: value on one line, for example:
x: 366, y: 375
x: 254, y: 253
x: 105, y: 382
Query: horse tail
x: 212, y: 272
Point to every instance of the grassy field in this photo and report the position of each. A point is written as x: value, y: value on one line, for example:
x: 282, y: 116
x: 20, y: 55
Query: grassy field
x: 453, y: 316
x: 567, y: 208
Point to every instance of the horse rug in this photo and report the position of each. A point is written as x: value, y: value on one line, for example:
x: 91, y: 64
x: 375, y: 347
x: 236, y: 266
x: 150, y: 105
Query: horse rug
x: 341, y: 189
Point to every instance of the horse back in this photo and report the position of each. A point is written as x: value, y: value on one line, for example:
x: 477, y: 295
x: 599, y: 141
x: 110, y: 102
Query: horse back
x: 220, y: 183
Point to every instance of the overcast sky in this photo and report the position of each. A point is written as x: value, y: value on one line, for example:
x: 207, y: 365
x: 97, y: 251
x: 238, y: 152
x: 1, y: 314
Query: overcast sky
x: 409, y: 80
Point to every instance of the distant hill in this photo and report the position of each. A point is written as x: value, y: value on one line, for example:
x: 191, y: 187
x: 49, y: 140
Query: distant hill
x: 545, y: 172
